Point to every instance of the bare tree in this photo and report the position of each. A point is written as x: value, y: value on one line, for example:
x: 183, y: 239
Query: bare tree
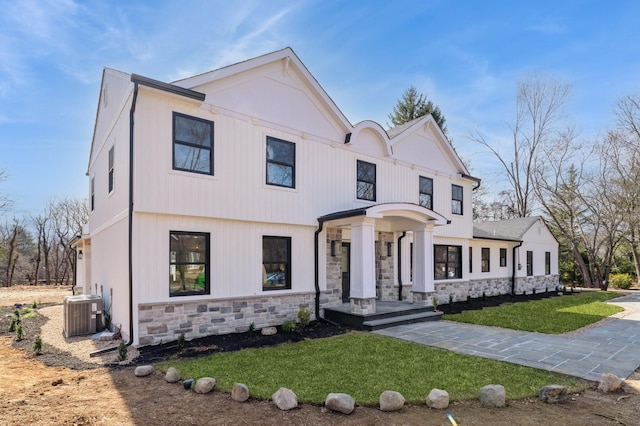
x: 539, y: 118
x: 16, y: 249
x: 5, y: 201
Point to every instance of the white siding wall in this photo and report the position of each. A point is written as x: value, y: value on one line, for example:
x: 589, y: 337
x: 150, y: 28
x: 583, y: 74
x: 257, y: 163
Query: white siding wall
x: 538, y: 240
x: 495, y: 270
x: 235, y: 260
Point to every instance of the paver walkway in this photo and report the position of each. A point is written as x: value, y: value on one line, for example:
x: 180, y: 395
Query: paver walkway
x: 612, y: 347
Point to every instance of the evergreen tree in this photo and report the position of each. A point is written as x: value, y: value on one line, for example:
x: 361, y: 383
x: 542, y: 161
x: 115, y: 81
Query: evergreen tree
x: 414, y: 105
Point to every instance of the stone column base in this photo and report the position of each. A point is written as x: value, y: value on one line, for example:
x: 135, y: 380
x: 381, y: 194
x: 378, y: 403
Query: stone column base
x: 363, y: 306
x: 424, y: 299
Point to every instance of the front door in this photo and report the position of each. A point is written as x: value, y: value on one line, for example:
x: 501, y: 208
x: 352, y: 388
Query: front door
x: 346, y: 276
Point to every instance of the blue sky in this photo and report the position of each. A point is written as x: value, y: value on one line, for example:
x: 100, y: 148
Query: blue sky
x: 466, y: 56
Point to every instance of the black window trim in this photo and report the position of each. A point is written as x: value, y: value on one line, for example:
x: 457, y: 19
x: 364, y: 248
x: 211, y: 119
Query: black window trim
x: 289, y: 285
x: 503, y: 257
x: 293, y: 166
x: 457, y: 265
x: 375, y: 178
x: 461, y: 200
x: 206, y: 263
x: 111, y: 168
x: 92, y: 190
x: 529, y: 263
x: 485, y: 263
x: 191, y: 145
x: 547, y: 263
x: 420, y: 191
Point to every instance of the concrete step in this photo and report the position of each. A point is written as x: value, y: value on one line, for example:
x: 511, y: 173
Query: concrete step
x: 377, y: 324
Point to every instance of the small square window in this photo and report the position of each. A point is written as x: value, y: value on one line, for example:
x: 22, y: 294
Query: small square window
x: 366, y: 181
x: 281, y: 163
x: 192, y: 144
x: 188, y: 263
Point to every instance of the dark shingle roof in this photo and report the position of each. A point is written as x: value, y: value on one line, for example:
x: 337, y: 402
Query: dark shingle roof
x: 511, y: 229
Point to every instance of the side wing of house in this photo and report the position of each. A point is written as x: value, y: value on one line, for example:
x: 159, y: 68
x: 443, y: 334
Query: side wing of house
x: 538, y: 258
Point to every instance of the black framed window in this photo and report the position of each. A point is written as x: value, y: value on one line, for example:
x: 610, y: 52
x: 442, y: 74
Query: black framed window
x: 485, y: 259
x: 111, y: 168
x: 447, y: 262
x: 547, y: 263
x: 93, y: 193
x: 503, y: 257
x: 426, y: 192
x: 529, y: 263
x: 456, y: 199
x: 276, y: 263
x: 281, y: 163
x: 366, y: 176
x: 192, y: 144
x: 188, y: 263
x: 470, y: 260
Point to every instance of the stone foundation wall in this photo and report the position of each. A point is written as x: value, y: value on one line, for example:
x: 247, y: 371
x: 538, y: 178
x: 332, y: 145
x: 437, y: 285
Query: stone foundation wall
x: 459, y: 291
x: 165, y: 322
x: 385, y: 290
x: 332, y: 296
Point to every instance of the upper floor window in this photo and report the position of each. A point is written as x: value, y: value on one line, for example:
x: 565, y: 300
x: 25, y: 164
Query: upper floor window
x: 456, y: 199
x: 111, y: 169
x: 529, y: 263
x: 188, y: 263
x: 281, y: 163
x: 426, y: 192
x: 192, y: 144
x: 547, y: 263
x: 447, y: 262
x: 276, y: 263
x: 503, y: 257
x: 485, y: 259
x: 366, y: 175
x: 93, y: 193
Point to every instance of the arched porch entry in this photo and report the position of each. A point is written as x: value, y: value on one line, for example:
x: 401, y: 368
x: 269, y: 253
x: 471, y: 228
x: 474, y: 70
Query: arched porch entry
x: 361, y: 226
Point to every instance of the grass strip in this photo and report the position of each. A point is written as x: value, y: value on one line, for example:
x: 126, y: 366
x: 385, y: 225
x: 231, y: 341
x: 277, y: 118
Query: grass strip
x: 364, y: 365
x: 555, y: 315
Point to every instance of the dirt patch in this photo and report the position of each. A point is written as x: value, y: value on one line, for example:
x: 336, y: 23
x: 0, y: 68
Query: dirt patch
x: 36, y: 393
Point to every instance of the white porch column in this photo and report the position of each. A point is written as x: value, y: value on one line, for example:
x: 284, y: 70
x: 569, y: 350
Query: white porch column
x: 363, y: 266
x: 423, y: 259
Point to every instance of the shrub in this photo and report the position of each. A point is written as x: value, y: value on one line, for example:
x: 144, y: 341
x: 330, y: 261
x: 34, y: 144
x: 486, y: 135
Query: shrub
x: 621, y: 281
x: 34, y: 305
x: 37, y: 345
x: 122, y: 351
x: 19, y: 333
x: 304, y: 317
x: 181, y: 341
x: 289, y: 326
x: 12, y: 326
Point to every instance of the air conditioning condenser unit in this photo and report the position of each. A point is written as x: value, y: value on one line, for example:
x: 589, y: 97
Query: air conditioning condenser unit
x: 82, y: 314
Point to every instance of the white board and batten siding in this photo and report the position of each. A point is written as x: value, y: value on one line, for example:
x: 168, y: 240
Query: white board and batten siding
x: 236, y: 256
x: 538, y: 239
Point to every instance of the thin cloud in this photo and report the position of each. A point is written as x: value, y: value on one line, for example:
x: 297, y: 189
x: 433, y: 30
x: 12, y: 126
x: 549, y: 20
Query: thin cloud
x: 548, y: 27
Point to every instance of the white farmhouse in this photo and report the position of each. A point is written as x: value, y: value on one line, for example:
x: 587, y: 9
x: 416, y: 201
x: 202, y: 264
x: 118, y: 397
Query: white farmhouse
x: 239, y: 196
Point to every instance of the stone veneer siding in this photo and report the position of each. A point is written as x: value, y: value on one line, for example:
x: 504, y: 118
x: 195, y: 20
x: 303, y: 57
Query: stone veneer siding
x: 165, y: 322
x: 385, y: 290
x: 459, y: 291
x: 332, y: 296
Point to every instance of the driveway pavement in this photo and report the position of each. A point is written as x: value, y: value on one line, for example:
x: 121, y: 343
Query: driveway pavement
x: 612, y: 346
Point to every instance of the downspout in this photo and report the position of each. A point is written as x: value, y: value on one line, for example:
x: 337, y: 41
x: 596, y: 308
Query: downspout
x: 404, y: 233
x: 513, y: 275
x: 131, y: 123
x: 316, y: 259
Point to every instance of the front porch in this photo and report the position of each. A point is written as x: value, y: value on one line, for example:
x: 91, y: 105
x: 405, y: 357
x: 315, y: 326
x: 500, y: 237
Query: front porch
x: 387, y: 314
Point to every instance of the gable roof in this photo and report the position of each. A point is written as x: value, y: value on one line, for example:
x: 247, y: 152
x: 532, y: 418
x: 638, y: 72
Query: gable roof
x: 507, y: 230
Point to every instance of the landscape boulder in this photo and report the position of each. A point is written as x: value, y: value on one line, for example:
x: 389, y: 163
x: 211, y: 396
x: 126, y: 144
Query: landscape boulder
x: 553, y: 394
x: 391, y: 401
x: 285, y: 399
x: 493, y: 396
x: 240, y: 392
x: 143, y: 370
x: 438, y: 399
x: 172, y: 375
x: 340, y: 402
x: 609, y: 383
x: 204, y: 385
x: 268, y: 331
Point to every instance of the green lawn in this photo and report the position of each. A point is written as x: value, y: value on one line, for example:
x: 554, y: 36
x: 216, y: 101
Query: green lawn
x: 555, y: 315
x: 364, y: 365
